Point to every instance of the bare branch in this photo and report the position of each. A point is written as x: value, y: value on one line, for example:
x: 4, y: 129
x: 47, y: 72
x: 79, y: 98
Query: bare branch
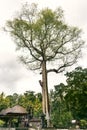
x: 62, y: 67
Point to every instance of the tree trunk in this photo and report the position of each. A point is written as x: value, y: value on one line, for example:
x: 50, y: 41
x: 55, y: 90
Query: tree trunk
x: 43, y: 100
x: 45, y: 93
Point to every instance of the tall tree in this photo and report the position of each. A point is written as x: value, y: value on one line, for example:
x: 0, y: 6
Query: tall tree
x: 44, y: 38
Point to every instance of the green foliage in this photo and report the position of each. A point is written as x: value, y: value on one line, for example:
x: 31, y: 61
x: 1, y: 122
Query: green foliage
x: 45, y: 36
x: 2, y: 123
x: 83, y: 123
x: 76, y: 92
x: 60, y: 116
x: 28, y: 100
x: 70, y: 101
x: 3, y: 101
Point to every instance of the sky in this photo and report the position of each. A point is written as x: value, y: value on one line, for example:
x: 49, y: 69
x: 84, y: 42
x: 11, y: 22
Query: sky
x: 14, y: 77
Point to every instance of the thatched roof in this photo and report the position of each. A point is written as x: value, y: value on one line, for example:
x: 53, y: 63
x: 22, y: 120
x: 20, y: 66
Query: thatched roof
x: 19, y: 110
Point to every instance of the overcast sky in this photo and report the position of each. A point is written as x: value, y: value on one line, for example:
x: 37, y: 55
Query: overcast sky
x: 14, y: 77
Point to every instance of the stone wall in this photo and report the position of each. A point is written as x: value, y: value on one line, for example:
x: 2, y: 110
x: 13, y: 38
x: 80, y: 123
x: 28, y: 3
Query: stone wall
x: 7, y: 128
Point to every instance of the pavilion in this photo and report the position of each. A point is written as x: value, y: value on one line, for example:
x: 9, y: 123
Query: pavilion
x: 18, y: 113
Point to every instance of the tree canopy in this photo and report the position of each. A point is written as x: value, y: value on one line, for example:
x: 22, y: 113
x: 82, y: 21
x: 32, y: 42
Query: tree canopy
x: 44, y: 35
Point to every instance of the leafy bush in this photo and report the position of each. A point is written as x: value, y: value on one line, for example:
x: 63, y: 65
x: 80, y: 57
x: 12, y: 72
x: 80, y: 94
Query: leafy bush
x: 2, y: 123
x: 83, y: 123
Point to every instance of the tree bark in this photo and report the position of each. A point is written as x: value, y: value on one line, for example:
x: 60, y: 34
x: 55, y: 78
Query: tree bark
x: 43, y: 97
x: 45, y: 93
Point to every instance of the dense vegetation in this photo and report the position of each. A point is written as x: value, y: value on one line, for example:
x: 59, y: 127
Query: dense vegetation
x: 28, y: 100
x: 67, y: 102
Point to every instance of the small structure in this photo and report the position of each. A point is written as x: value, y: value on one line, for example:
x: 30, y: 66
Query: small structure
x: 19, y: 110
x: 17, y: 116
x: 16, y: 113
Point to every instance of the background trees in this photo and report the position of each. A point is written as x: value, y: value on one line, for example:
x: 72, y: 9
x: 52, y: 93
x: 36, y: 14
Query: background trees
x: 70, y: 101
x: 76, y: 96
x: 3, y: 101
x: 28, y: 100
x: 60, y: 116
x: 67, y: 102
x: 44, y: 38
